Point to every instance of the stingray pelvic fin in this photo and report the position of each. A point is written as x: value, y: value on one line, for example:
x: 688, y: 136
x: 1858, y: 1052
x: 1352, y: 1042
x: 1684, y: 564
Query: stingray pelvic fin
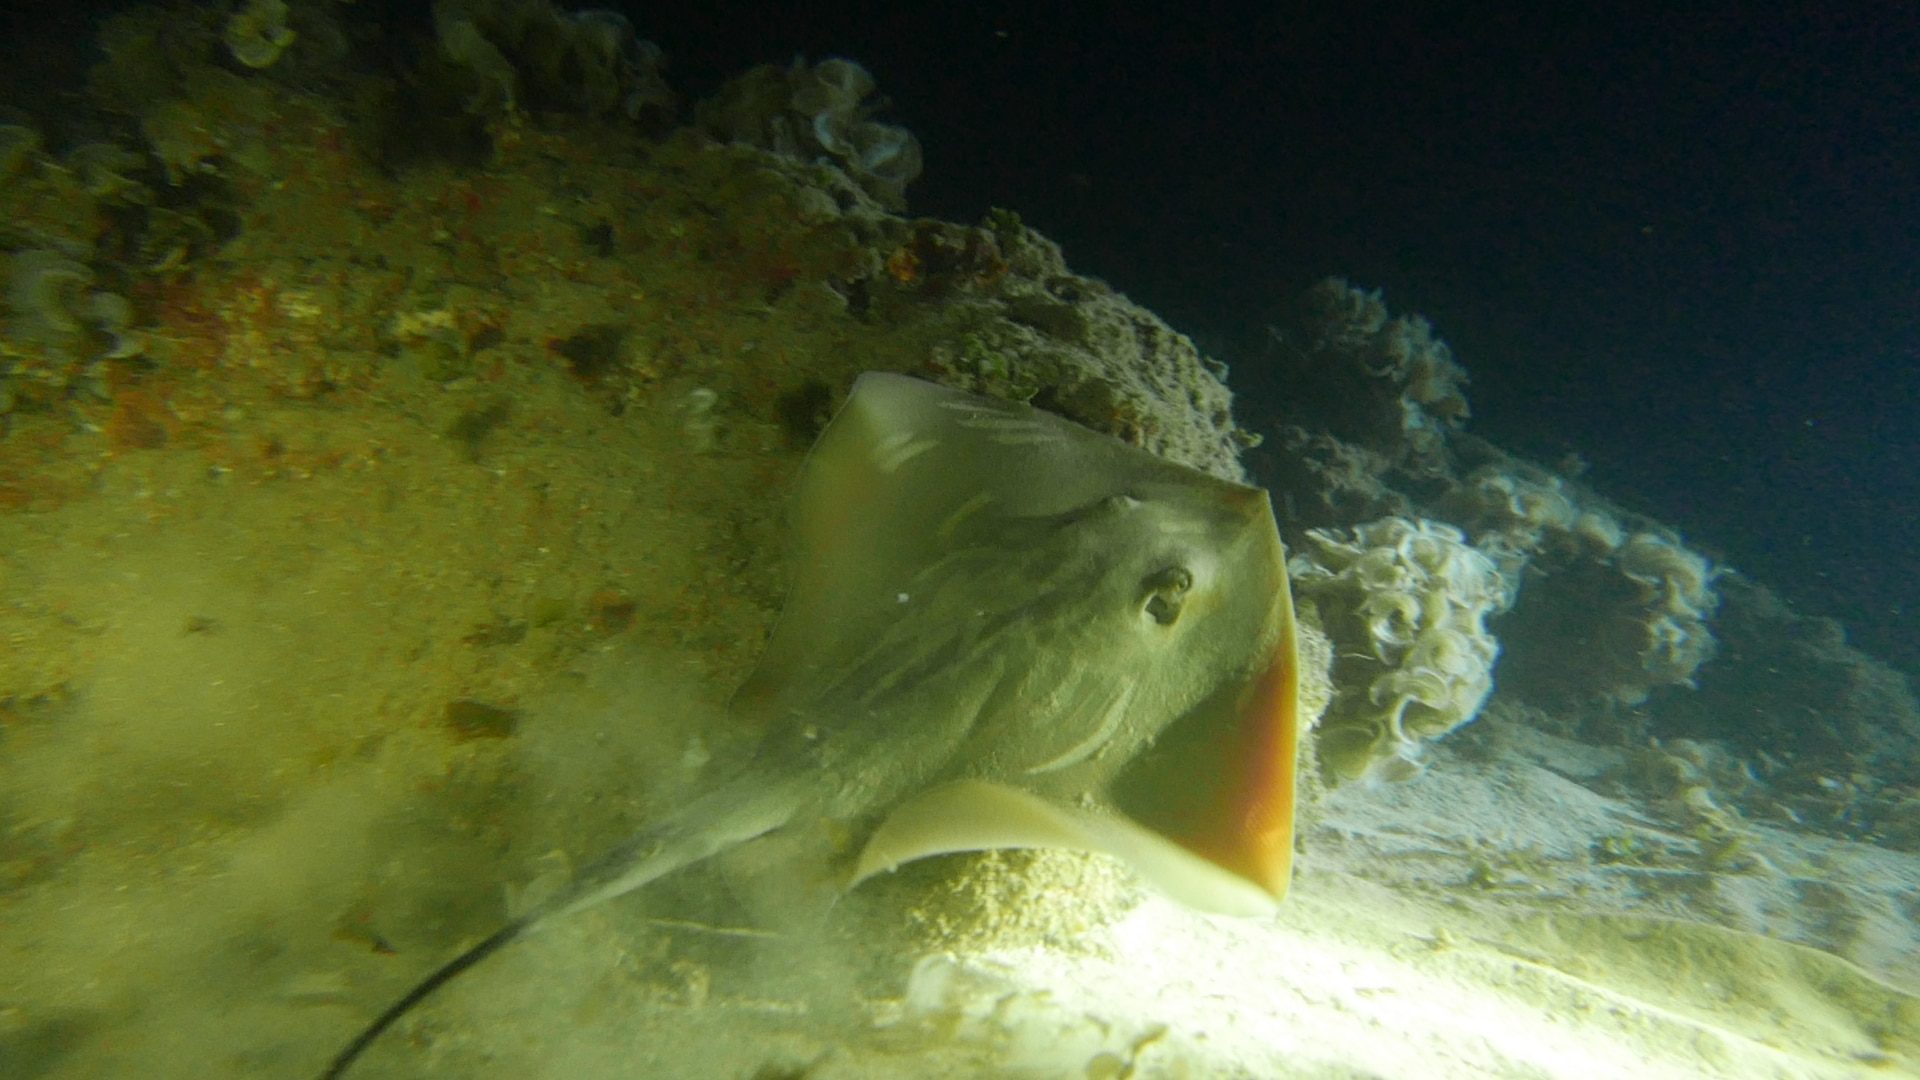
x: 978, y: 815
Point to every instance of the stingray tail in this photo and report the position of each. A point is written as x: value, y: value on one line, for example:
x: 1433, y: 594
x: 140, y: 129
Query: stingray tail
x: 733, y: 814
x: 352, y: 1051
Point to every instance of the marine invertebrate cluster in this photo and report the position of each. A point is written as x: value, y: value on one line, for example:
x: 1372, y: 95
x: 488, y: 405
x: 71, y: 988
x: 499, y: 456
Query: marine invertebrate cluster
x: 1608, y: 605
x: 1831, y: 735
x: 1676, y: 591
x: 110, y: 172
x: 258, y: 33
x: 1527, y: 511
x: 1405, y: 602
x: 18, y: 144
x: 72, y: 227
x: 818, y: 111
x: 53, y: 302
x: 59, y: 324
x: 529, y: 54
x: 1383, y: 381
x: 461, y: 42
x: 1629, y: 595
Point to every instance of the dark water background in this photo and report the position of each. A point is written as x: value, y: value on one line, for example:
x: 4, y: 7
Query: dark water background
x: 1685, y: 245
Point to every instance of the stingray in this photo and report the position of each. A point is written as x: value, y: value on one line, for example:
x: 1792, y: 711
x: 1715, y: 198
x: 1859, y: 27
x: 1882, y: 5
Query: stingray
x: 1004, y: 630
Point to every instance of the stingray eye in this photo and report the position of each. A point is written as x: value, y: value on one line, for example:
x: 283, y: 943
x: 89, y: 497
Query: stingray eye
x: 1166, y: 593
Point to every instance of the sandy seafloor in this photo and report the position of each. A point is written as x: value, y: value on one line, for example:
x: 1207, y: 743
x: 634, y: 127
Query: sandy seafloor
x: 222, y: 853
x: 318, y: 654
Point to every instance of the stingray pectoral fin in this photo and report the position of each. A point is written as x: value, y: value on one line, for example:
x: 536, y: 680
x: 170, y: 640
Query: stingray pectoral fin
x: 1220, y: 782
x: 978, y: 815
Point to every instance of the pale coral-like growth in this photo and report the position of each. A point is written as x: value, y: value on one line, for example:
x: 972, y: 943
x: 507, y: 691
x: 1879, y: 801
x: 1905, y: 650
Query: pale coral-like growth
x: 52, y: 302
x: 1405, y: 602
x: 185, y: 138
x: 1389, y: 382
x: 818, y: 111
x: 18, y: 145
x: 258, y: 33
x: 1652, y: 595
x: 1522, y: 511
x: 107, y: 172
x: 530, y: 54
x: 1676, y: 591
x: 497, y: 85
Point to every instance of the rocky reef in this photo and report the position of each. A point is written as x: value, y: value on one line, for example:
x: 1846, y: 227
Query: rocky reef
x: 396, y: 415
x: 1605, y: 618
